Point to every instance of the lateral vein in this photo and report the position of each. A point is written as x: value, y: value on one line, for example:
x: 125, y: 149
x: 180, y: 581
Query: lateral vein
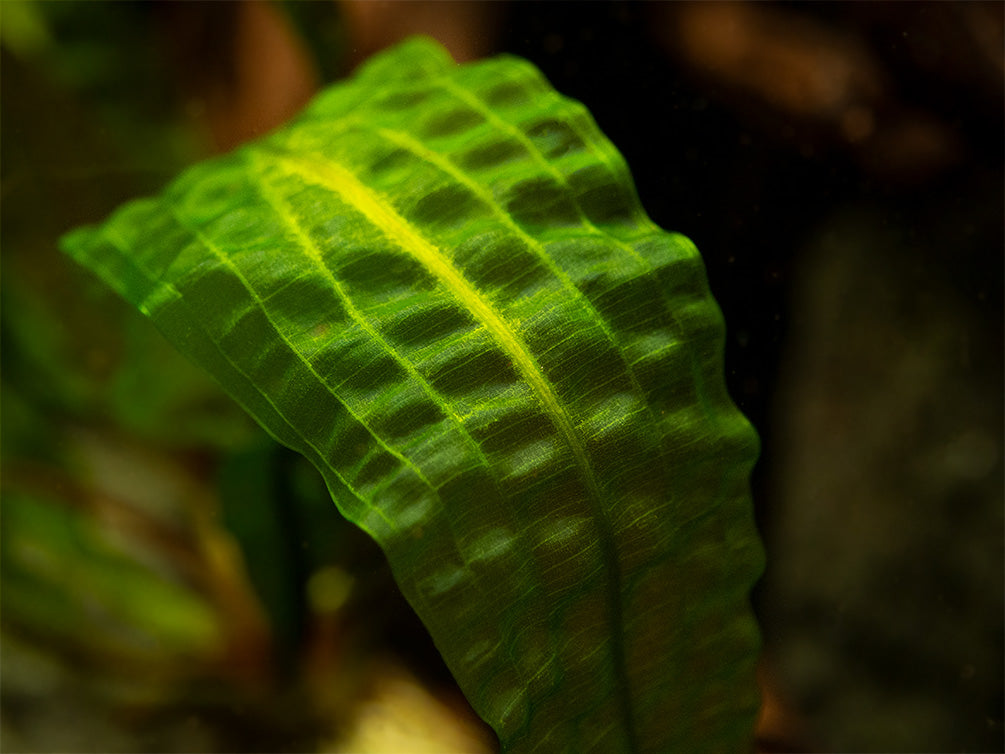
x: 165, y: 285
x: 229, y: 264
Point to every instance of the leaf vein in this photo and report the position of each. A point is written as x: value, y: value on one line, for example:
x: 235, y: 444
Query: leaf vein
x: 229, y: 264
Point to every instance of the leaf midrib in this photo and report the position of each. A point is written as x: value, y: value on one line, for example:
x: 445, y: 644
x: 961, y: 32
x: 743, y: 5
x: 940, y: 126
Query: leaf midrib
x: 310, y: 247
x: 332, y: 176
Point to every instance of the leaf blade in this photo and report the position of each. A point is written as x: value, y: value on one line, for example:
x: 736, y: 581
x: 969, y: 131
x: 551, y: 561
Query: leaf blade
x: 439, y: 285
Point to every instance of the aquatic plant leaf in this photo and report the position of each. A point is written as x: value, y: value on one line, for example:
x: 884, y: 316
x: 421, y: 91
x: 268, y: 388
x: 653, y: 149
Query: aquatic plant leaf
x: 438, y: 284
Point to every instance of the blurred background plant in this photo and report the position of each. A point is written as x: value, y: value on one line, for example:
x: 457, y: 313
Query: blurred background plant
x: 174, y: 581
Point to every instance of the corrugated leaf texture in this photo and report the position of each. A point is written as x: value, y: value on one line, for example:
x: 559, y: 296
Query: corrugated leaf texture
x: 439, y: 285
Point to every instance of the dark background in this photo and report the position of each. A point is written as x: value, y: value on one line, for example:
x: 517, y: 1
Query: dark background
x: 839, y: 166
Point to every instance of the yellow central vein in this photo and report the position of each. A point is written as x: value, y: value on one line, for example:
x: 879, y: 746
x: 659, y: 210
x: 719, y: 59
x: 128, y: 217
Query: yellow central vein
x: 334, y: 177
x: 607, y: 537
x: 447, y: 166
x: 291, y: 220
x: 337, y: 179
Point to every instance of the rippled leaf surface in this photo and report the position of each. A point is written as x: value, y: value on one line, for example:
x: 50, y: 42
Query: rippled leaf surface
x: 438, y: 285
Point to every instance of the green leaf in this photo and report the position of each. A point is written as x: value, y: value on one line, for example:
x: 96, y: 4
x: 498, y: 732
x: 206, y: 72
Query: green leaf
x: 439, y: 286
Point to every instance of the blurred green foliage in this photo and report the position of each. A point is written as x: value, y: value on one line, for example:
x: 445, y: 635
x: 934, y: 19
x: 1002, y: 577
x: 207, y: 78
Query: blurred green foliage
x: 65, y: 575
x: 137, y: 498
